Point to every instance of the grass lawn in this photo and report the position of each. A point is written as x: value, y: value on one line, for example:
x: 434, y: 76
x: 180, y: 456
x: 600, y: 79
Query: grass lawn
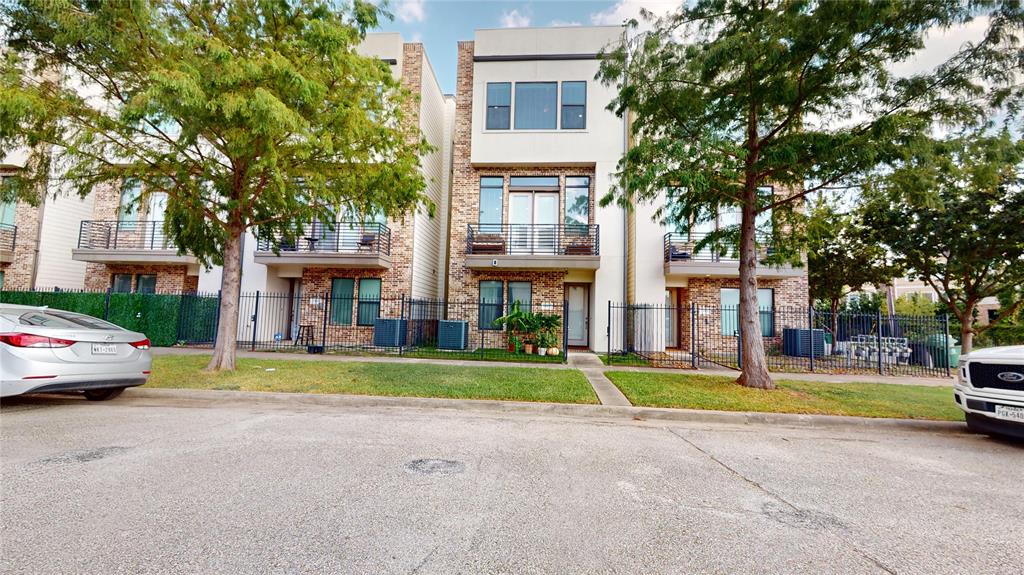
x: 623, y: 359
x: 721, y: 393
x: 394, y: 379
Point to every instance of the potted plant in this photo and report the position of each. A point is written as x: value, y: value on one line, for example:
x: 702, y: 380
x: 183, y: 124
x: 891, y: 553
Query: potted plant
x: 547, y: 325
x: 517, y: 321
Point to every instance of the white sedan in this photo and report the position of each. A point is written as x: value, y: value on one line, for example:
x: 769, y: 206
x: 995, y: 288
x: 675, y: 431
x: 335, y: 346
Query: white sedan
x: 43, y: 350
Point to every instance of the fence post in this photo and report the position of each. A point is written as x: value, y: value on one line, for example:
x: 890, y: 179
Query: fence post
x: 401, y: 320
x: 106, y: 306
x: 810, y: 333
x: 608, y: 334
x: 323, y: 328
x: 881, y: 370
x: 216, y: 319
x: 945, y: 341
x: 739, y: 339
x: 693, y: 335
x: 255, y: 319
x: 565, y: 331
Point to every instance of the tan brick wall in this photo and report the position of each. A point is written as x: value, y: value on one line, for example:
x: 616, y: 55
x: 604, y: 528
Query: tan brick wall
x: 18, y: 274
x: 169, y: 279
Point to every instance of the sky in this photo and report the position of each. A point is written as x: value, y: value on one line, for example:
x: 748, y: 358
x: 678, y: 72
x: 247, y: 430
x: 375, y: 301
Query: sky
x: 440, y: 24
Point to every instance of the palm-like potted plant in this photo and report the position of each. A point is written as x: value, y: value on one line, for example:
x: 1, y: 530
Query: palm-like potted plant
x: 518, y: 323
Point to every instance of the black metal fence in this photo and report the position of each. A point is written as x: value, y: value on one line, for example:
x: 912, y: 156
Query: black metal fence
x: 795, y: 340
x: 321, y: 323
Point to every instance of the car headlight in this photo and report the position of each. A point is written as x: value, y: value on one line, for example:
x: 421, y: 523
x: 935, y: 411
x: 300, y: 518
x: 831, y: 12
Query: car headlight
x: 961, y: 370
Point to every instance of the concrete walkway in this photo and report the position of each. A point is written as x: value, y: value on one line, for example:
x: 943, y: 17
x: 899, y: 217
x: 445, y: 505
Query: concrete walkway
x: 592, y: 368
x: 582, y: 361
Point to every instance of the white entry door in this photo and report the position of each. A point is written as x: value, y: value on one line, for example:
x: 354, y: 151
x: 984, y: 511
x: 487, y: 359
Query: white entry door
x: 533, y: 222
x: 578, y: 322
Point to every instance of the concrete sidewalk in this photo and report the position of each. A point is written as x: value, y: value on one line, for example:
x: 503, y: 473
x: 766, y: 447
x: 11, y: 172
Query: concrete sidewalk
x: 577, y: 360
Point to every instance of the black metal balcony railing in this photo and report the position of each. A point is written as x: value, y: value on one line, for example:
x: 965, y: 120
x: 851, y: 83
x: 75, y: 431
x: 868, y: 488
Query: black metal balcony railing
x: 533, y: 239
x: 681, y: 248
x: 123, y: 235
x: 8, y: 234
x: 344, y: 238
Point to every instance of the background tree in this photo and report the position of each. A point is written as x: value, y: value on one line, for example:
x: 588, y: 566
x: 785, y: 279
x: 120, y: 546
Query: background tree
x: 841, y: 259
x: 250, y: 115
x: 727, y: 96
x: 952, y: 213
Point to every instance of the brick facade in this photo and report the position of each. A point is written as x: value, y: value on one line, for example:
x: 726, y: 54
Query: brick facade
x: 19, y: 274
x: 169, y: 278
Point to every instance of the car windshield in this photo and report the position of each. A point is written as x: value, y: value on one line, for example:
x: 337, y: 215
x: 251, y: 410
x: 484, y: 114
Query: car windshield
x: 65, y: 320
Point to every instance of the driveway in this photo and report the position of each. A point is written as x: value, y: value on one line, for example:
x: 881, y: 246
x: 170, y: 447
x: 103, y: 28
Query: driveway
x: 144, y: 485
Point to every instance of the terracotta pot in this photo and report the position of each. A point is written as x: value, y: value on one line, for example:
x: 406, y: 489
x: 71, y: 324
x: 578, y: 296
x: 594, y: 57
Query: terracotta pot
x: 528, y: 347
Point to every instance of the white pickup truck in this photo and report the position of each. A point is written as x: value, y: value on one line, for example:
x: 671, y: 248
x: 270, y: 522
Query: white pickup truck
x: 990, y: 390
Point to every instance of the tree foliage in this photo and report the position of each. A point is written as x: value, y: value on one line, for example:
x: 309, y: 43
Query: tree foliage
x: 250, y: 115
x: 841, y: 259
x: 952, y: 213
x: 727, y: 96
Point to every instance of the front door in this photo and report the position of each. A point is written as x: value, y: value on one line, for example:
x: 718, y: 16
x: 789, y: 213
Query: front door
x: 578, y: 322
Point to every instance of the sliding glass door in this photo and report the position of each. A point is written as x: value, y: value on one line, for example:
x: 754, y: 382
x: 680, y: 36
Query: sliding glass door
x: 533, y: 222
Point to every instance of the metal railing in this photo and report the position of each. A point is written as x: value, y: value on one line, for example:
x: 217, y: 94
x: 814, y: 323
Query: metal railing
x: 534, y: 239
x: 123, y: 235
x: 682, y: 247
x: 339, y: 237
x: 8, y: 235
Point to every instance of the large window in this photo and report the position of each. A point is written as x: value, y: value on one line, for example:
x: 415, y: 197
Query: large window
x: 521, y: 292
x: 574, y: 105
x: 7, y: 208
x: 490, y: 304
x: 369, y: 301
x: 730, y: 299
x: 499, y: 105
x: 577, y: 204
x: 491, y: 189
x: 126, y: 210
x: 341, y: 300
x: 536, y: 103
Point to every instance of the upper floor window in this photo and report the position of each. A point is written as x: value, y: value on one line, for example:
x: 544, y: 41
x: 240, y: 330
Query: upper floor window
x: 577, y: 203
x: 491, y: 189
x: 128, y: 206
x: 574, y: 105
x: 7, y: 184
x: 499, y: 105
x: 535, y: 105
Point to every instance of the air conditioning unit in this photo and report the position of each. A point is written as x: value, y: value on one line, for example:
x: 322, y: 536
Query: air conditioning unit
x: 452, y: 334
x: 799, y: 342
x: 388, y: 332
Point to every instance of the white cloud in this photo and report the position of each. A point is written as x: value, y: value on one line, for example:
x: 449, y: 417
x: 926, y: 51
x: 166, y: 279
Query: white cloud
x: 411, y: 11
x: 624, y: 10
x: 514, y: 19
x: 940, y: 45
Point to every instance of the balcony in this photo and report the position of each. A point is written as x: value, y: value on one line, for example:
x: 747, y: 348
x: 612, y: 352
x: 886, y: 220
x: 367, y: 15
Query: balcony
x: 127, y: 242
x: 533, y: 246
x: 682, y: 259
x: 341, y: 245
x: 8, y: 235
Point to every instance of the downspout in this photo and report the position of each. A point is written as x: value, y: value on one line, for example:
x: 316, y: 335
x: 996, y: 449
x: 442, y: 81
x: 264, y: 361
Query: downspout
x: 625, y: 181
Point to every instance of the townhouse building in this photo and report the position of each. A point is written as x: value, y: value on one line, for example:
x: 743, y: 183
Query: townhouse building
x: 535, y: 148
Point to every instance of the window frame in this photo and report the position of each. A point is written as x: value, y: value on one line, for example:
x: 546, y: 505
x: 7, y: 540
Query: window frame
x: 562, y: 105
x: 528, y: 304
x: 485, y: 226
x: 764, y: 312
x: 515, y: 105
x: 340, y: 308
x: 488, y: 106
x: 574, y: 226
x: 368, y: 303
x: 495, y: 307
x: 113, y: 283
x: 138, y: 280
x: 133, y: 207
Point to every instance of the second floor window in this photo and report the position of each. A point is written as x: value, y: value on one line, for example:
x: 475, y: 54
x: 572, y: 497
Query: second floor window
x: 128, y: 207
x: 577, y: 204
x: 491, y: 189
x: 535, y: 105
x: 574, y: 105
x: 499, y: 105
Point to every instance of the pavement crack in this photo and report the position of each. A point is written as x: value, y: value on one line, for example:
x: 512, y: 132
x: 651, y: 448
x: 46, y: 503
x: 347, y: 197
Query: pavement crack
x: 804, y: 514
x: 426, y: 559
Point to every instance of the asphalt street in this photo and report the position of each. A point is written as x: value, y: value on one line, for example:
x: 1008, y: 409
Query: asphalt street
x: 144, y: 485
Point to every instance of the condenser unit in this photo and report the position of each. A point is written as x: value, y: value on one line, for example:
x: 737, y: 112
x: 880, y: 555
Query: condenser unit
x: 452, y: 334
x: 389, y: 332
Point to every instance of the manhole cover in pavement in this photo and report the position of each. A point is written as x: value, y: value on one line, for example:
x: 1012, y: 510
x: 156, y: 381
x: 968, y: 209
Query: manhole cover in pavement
x: 435, y: 466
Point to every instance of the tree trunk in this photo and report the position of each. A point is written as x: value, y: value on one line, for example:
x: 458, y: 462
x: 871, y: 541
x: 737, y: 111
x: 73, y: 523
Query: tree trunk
x: 230, y: 286
x: 967, y: 329
x: 754, y: 366
x: 835, y: 319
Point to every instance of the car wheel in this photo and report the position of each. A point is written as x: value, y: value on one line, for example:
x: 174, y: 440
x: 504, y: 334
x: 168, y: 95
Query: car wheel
x: 103, y: 394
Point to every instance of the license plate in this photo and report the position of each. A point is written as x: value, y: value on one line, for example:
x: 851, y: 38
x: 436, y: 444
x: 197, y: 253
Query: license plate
x: 104, y: 349
x: 1010, y: 412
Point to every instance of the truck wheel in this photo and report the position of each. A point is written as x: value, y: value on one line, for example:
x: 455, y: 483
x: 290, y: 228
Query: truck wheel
x: 103, y: 394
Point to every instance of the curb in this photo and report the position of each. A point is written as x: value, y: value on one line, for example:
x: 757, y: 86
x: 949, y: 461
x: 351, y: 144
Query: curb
x: 182, y: 397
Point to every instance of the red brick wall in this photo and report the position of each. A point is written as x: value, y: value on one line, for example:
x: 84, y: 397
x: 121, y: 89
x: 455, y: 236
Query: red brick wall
x: 18, y: 275
x: 169, y: 279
